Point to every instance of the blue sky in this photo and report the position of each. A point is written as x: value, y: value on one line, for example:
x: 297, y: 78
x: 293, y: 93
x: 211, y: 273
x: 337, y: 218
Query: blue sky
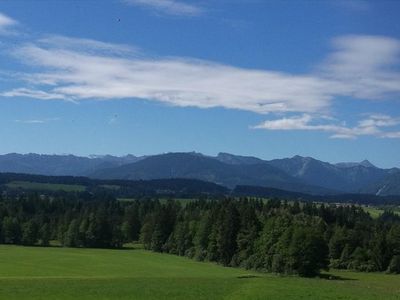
x: 265, y: 78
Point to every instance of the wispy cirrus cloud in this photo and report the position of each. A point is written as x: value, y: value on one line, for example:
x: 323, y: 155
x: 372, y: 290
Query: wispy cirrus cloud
x: 170, y: 7
x: 363, y: 67
x: 31, y: 93
x: 6, y: 23
x: 87, y: 46
x: 30, y: 121
x: 360, y: 66
x: 71, y: 73
x: 36, y: 121
x: 373, y: 126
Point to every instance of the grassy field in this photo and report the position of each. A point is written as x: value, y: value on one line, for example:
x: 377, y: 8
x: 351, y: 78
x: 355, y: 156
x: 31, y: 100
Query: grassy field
x: 61, y: 273
x: 375, y: 212
x: 38, y: 186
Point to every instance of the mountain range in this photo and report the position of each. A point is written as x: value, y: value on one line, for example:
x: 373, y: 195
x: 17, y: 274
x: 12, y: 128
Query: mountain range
x: 296, y: 174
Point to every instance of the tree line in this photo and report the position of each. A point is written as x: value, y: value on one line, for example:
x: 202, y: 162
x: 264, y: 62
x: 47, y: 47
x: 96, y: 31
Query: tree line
x: 269, y: 236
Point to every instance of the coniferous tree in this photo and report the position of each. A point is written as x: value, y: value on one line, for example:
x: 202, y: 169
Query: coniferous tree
x: 72, y: 235
x: 146, y: 232
x: 11, y: 231
x: 202, y: 236
x: 30, y: 233
x: 44, y: 235
x: 227, y: 234
x: 247, y: 235
x: 394, y: 265
x: 307, y: 252
x: 272, y: 236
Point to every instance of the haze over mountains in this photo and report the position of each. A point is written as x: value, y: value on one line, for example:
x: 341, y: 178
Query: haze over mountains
x: 297, y: 174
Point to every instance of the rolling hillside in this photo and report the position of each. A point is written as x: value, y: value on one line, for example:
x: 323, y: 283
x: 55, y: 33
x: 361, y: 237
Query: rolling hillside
x: 59, y: 165
x: 190, y: 165
x: 296, y: 174
x: 351, y: 178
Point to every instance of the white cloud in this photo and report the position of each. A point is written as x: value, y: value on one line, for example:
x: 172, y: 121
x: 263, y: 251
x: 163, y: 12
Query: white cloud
x: 30, y: 121
x: 176, y: 81
x: 37, y: 121
x: 6, y: 23
x: 364, y: 67
x: 88, y: 46
x: 359, y: 67
x: 171, y: 7
x: 391, y: 135
x: 371, y: 126
x: 37, y: 94
x: 379, y: 120
x: 294, y: 123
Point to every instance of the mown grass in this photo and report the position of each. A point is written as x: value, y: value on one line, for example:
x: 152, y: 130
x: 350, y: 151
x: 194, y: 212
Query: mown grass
x: 38, y: 186
x: 62, y: 273
x: 376, y: 211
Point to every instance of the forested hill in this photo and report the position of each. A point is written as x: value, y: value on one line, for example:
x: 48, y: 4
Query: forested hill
x: 264, y: 192
x: 273, y: 236
x: 12, y: 183
x: 191, y: 165
x: 175, y: 187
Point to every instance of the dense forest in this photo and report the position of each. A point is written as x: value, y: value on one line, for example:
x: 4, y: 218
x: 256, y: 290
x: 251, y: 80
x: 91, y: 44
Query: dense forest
x: 270, y: 236
x: 174, y: 187
x: 177, y: 188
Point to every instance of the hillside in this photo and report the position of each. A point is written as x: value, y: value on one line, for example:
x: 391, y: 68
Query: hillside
x: 296, y: 174
x: 13, y: 183
x: 389, y: 185
x: 351, y: 178
x: 59, y: 165
x: 189, y: 165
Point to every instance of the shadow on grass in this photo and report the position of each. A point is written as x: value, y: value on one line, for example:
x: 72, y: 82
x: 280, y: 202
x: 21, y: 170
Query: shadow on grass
x: 247, y: 276
x: 321, y: 276
x: 334, y: 277
x: 133, y: 246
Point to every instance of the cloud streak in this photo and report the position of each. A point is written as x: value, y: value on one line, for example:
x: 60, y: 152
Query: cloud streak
x: 80, y: 69
x: 6, y: 23
x: 30, y: 121
x: 87, y: 46
x: 363, y: 67
x: 30, y: 93
x: 36, y: 121
x: 77, y: 75
x: 170, y: 7
x: 371, y: 126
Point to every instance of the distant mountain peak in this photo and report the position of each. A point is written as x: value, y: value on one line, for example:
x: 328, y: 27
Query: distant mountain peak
x: 367, y: 163
x: 233, y: 159
x: 298, y: 173
x: 304, y: 158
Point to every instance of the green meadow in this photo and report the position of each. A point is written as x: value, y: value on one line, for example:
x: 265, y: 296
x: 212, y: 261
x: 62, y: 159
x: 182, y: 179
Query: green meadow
x: 66, y: 273
x: 376, y: 211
